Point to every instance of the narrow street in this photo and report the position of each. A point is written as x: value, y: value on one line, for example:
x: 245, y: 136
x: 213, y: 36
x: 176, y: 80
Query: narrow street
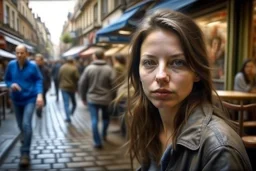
x: 58, y: 145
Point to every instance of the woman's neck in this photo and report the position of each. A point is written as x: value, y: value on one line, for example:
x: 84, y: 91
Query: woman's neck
x: 167, y: 117
x: 166, y: 134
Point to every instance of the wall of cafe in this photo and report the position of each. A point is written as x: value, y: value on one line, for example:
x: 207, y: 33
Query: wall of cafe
x: 227, y: 27
x: 253, y: 26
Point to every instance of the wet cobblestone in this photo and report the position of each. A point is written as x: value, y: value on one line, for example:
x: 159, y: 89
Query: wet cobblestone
x: 57, y: 145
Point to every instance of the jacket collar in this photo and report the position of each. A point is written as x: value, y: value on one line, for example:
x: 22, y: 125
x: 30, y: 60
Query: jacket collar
x: 24, y: 65
x: 191, y: 132
x: 99, y: 62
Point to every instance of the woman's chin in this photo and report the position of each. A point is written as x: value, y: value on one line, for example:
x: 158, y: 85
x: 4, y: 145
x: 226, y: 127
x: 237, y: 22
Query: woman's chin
x: 162, y: 104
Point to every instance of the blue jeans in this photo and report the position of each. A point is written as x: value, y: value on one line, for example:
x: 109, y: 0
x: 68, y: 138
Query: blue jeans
x: 24, y: 115
x: 66, y: 95
x: 94, y: 112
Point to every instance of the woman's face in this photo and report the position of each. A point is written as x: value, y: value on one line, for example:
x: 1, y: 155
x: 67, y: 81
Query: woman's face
x: 249, y: 69
x: 164, y: 73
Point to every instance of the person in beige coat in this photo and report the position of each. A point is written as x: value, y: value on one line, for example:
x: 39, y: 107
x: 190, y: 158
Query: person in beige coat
x: 68, y: 80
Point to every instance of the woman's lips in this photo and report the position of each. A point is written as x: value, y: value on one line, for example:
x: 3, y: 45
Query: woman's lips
x: 162, y: 93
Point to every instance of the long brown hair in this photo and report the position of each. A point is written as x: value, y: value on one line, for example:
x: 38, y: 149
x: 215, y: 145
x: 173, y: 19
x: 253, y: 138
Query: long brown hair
x: 143, y: 119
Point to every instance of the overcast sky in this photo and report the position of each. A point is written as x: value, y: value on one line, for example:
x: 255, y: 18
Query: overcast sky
x: 53, y: 13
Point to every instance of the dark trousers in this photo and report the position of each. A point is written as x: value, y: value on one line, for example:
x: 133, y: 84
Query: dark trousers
x: 67, y: 96
x: 40, y: 109
x: 94, y: 112
x: 56, y: 86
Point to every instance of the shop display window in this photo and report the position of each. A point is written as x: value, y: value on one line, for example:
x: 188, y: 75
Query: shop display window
x: 214, y: 27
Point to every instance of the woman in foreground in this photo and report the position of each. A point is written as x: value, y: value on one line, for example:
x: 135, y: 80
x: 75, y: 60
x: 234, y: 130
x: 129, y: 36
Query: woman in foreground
x: 171, y: 118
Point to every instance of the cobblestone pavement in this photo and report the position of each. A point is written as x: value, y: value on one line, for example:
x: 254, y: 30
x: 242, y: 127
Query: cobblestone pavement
x: 61, y: 146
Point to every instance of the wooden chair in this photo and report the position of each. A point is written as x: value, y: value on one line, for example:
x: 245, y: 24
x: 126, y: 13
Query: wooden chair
x: 249, y: 140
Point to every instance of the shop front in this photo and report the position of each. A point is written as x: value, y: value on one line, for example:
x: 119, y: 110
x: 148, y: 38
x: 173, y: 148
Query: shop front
x: 214, y: 27
x: 226, y: 28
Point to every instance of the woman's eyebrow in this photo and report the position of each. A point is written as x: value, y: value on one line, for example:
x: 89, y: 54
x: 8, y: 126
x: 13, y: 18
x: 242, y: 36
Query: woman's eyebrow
x: 178, y: 55
x: 148, y: 56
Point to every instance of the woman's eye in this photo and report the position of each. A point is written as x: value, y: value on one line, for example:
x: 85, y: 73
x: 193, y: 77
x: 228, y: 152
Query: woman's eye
x: 178, y: 63
x: 148, y: 63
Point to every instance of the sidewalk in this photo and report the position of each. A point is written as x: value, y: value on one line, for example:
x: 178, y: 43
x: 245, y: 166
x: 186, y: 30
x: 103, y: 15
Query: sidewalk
x: 62, y: 146
x: 9, y: 133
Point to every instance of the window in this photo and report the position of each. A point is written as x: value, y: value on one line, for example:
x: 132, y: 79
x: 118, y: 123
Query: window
x: 14, y: 2
x: 214, y: 27
x: 7, y: 15
x: 117, y: 3
x: 13, y: 20
x: 104, y: 8
x: 95, y: 12
x: 18, y: 25
x: 23, y: 30
x: 129, y: 1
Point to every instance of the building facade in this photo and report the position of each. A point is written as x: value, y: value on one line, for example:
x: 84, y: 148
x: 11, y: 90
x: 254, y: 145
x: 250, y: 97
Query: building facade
x: 229, y: 27
x: 18, y: 25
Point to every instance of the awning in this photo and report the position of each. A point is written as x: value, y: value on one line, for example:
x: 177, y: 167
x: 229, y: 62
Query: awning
x: 103, y: 34
x: 13, y: 41
x: 125, y: 50
x: 171, y: 4
x: 113, y: 51
x: 89, y: 51
x: 6, y: 54
x: 112, y: 38
x: 18, y: 42
x: 74, y: 51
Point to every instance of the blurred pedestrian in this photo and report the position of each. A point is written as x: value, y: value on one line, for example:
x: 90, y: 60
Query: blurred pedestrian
x: 26, y: 84
x: 95, y: 87
x: 39, y: 59
x: 173, y: 123
x: 55, y: 74
x: 68, y: 83
x: 119, y: 108
x: 119, y: 67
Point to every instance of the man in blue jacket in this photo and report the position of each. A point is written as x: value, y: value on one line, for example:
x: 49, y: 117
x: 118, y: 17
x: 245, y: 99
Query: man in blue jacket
x: 26, y: 85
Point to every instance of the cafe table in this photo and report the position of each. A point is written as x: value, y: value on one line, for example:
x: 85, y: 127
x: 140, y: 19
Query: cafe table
x: 239, y: 97
x: 236, y: 95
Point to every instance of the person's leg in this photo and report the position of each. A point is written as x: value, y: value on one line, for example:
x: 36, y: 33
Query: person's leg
x: 94, y: 109
x: 39, y: 111
x: 65, y: 96
x: 44, y: 96
x: 18, y: 110
x: 105, y: 118
x: 73, y: 100
x: 56, y: 86
x: 27, y: 127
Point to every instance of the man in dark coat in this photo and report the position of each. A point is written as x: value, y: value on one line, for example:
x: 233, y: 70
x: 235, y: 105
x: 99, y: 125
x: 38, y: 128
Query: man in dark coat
x: 39, y: 59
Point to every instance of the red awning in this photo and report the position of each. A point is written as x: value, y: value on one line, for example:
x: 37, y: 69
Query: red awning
x: 88, y: 52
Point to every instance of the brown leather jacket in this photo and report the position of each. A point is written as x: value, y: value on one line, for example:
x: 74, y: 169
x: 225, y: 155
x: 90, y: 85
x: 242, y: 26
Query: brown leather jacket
x: 206, y: 143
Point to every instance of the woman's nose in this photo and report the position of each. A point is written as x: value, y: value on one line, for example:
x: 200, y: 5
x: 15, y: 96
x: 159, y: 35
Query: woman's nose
x: 162, y: 76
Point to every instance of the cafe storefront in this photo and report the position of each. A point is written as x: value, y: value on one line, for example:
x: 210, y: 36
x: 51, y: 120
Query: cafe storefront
x: 229, y: 28
x: 214, y: 27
